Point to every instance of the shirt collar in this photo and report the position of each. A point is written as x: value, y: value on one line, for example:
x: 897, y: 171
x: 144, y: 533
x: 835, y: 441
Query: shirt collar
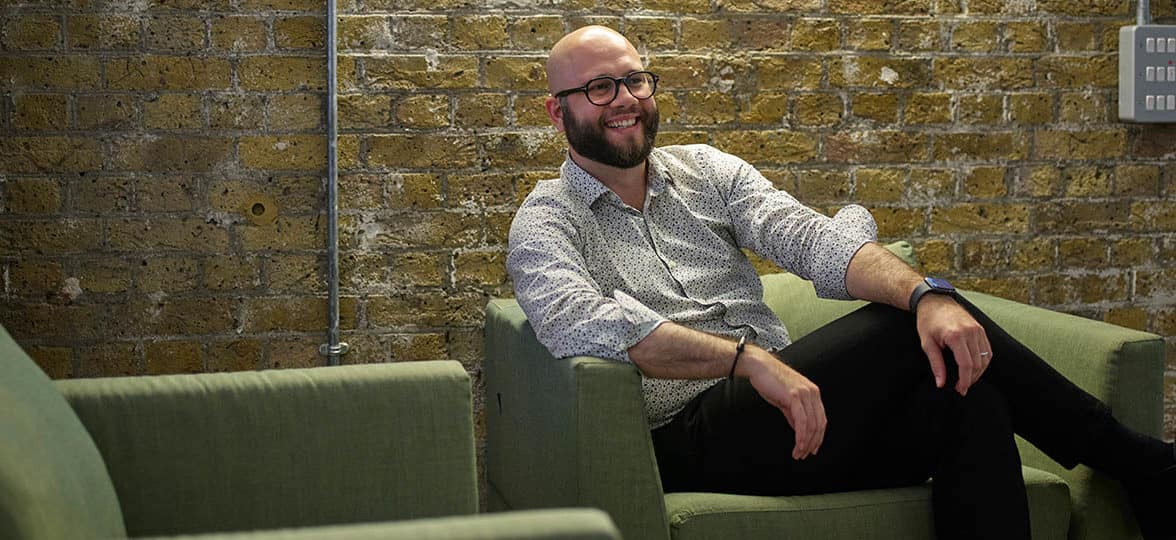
x: 588, y: 189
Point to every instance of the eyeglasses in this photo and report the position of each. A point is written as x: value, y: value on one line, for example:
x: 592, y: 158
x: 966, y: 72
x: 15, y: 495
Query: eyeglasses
x: 603, y: 90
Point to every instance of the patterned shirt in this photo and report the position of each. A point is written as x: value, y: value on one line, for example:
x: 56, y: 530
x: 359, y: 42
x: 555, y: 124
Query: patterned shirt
x: 595, y: 276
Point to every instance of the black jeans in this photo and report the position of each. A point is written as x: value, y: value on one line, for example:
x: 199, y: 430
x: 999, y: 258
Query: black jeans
x: 889, y: 426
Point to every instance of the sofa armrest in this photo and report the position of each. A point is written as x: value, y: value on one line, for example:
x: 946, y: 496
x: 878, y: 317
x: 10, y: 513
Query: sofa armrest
x: 1121, y: 367
x: 570, y: 524
x: 258, y: 450
x: 566, y: 432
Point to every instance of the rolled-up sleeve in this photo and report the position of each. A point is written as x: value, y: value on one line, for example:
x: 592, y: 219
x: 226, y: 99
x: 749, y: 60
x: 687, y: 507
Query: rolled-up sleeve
x: 775, y: 225
x: 570, y: 313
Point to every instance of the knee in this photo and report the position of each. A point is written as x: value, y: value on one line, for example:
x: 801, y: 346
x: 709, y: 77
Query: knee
x: 984, y: 409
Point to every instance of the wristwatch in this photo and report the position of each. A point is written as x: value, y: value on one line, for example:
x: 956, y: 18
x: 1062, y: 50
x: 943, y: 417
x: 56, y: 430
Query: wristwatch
x: 930, y: 285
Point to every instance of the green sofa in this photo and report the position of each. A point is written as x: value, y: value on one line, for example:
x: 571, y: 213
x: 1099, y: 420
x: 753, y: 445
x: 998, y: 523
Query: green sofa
x: 368, y: 451
x: 572, y: 432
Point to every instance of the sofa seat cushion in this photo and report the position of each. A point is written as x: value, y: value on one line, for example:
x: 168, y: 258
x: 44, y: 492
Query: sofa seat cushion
x: 903, y: 513
x: 53, y: 481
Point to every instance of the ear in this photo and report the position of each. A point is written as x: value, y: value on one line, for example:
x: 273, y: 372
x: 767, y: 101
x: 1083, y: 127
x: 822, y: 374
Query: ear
x: 554, y: 112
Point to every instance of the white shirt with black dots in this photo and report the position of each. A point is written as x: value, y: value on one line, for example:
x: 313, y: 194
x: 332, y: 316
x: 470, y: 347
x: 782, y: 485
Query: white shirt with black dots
x: 595, y: 276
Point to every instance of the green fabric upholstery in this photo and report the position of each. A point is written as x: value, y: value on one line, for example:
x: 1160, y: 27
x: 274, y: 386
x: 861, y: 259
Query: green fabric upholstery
x: 290, y: 448
x: 53, y: 483
x: 564, y: 524
x: 873, y: 514
x: 572, y: 432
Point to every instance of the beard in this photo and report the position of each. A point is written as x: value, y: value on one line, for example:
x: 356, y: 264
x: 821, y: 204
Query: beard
x: 589, y: 139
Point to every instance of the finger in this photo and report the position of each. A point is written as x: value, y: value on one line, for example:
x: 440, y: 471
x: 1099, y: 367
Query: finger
x: 822, y: 421
x: 966, y: 362
x: 810, y: 411
x: 985, y: 359
x: 935, y: 358
x: 803, y: 429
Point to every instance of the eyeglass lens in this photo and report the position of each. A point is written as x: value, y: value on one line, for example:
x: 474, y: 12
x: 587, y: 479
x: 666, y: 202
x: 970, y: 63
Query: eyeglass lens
x: 604, y: 90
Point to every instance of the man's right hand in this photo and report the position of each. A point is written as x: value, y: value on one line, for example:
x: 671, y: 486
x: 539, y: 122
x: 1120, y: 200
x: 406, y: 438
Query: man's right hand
x: 796, y: 396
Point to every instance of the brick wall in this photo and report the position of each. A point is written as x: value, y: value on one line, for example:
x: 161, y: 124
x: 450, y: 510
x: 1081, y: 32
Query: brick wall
x: 162, y: 187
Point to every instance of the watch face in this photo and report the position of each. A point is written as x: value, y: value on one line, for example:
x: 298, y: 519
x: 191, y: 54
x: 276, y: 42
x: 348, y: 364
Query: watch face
x: 941, y: 284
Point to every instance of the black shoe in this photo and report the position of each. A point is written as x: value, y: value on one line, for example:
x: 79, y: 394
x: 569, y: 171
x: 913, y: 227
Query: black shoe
x: 1153, y: 500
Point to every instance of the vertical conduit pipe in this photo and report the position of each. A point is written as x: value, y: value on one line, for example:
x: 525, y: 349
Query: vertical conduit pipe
x: 1143, y: 13
x: 333, y: 348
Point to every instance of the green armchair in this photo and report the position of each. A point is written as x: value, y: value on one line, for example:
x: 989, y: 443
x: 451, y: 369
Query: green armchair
x: 368, y: 451
x: 572, y: 432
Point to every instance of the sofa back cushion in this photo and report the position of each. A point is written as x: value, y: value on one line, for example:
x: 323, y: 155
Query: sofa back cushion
x: 53, y: 482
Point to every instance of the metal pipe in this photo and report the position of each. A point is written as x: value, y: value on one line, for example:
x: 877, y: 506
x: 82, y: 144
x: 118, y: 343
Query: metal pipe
x: 1143, y: 13
x: 333, y: 348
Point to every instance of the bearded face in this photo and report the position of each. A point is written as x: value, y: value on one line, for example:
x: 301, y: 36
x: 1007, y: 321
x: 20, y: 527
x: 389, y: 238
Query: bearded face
x: 590, y: 137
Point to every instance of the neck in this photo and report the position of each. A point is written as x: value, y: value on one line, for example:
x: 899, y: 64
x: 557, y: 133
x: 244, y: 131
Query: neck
x: 628, y: 184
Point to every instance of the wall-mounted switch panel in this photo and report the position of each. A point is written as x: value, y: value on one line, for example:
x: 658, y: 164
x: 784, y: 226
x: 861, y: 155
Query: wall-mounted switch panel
x: 1147, y: 73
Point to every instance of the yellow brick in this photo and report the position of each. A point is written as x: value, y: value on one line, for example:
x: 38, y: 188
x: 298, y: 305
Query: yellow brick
x: 651, y: 33
x: 870, y: 35
x: 49, y: 154
x: 1078, y: 71
x: 413, y: 72
x: 41, y: 112
x: 935, y: 256
x: 419, y: 31
x: 984, y: 73
x: 166, y: 234
x: 426, y: 309
x: 755, y: 34
x: 1153, y: 216
x: 281, y: 5
x: 985, y: 183
x: 932, y: 185
x: 285, y: 314
x: 1139, y: 180
x: 103, y: 31
x: 56, y: 362
x: 516, y: 73
x: 31, y: 196
x: 239, y: 34
x: 286, y: 152
x: 1090, y: 8
x: 1023, y: 37
x: 422, y: 229
x: 991, y: 218
x: 1085, y: 253
x: 1080, y: 144
x: 710, y: 108
x: 227, y: 111
x: 106, y: 112
x: 296, y: 273
x: 994, y: 7
x: 1134, y: 318
x: 1036, y: 254
x: 981, y: 146
x: 815, y: 35
x: 928, y: 108
x: 58, y: 72
x: 178, y: 153
x: 919, y: 36
x: 102, y: 194
x: 981, y: 109
x: 769, y: 147
x: 283, y: 73
x: 1077, y: 36
x: 366, y: 32
x: 707, y: 33
x: 766, y: 108
x: 423, y: 111
x: 889, y: 7
x: 818, y: 109
x: 107, y: 275
x: 168, y: 73
x: 165, y: 194
x: 822, y: 185
x: 1042, y: 181
x: 779, y: 73
x: 173, y: 33
x: 877, y: 107
x: 880, y: 185
x: 680, y: 72
x: 416, y: 191
x: 1031, y: 109
x: 415, y: 347
x: 233, y: 355
x: 974, y: 37
x: 364, y: 111
x: 525, y: 149
x: 361, y: 191
x: 875, y: 146
x: 421, y: 151
x: 1082, y: 108
x: 286, y: 233
x: 1087, y: 182
x: 1132, y: 252
x: 167, y: 274
x: 985, y: 255
x: 537, y: 33
x: 1078, y: 217
x: 109, y: 360
x: 421, y: 269
x: 479, y: 268
x: 31, y: 32
x: 480, y: 189
x: 481, y: 110
x: 295, y: 112
x: 231, y: 273
x: 530, y: 111
x: 173, y: 111
x: 480, y: 32
x: 302, y: 32
x: 32, y: 277
x: 879, y: 72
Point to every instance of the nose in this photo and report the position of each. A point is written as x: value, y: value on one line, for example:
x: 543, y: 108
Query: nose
x: 624, y: 96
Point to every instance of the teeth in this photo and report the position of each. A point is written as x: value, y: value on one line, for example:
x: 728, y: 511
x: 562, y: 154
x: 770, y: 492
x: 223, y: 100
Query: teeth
x: 623, y: 123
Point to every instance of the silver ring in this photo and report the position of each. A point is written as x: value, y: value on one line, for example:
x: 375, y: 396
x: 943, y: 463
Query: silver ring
x: 985, y: 353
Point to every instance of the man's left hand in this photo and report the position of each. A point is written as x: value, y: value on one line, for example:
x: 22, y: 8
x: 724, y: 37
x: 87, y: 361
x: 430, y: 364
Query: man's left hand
x: 944, y: 324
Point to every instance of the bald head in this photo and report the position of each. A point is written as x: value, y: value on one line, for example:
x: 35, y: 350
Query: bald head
x: 575, y: 56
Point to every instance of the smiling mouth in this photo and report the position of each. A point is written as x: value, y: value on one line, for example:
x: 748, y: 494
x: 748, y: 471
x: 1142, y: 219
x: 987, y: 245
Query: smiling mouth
x: 622, y: 123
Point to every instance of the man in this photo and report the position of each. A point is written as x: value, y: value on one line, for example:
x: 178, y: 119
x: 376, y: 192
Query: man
x: 634, y: 254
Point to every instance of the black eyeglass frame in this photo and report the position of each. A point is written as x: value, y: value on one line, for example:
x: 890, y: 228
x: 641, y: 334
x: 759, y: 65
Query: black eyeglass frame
x: 617, y: 82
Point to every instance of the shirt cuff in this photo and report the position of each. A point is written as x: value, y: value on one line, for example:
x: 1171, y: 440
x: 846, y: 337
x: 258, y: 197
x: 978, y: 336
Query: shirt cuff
x: 854, y: 227
x: 642, y: 320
